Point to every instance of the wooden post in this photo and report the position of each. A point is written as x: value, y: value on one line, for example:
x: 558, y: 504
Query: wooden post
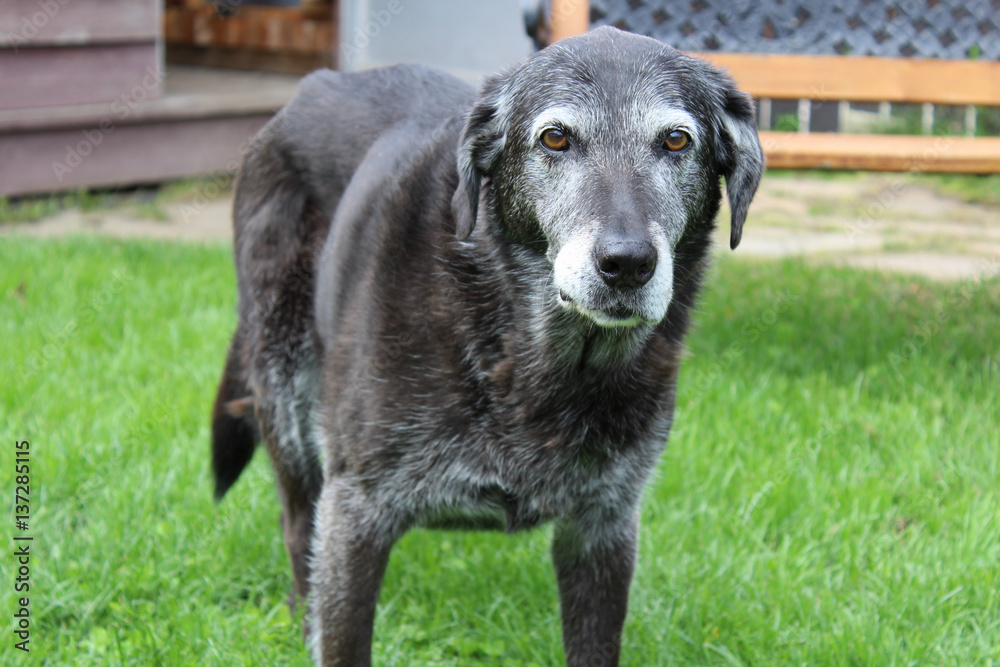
x: 805, y: 115
x: 764, y: 113
x: 970, y: 120
x: 569, y: 17
x: 927, y: 118
x: 843, y: 116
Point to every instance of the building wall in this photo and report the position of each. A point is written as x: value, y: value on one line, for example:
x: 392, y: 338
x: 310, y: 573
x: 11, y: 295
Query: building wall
x: 466, y: 38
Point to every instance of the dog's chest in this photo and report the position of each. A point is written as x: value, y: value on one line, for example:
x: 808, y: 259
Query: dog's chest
x: 494, y: 508
x: 512, y: 496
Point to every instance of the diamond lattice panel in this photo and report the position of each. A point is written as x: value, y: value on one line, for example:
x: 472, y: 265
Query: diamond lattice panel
x: 908, y: 28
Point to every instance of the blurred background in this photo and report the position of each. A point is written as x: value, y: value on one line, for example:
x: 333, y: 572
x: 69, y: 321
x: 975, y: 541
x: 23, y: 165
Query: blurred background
x: 111, y: 92
x: 152, y: 104
x: 829, y: 496
x: 101, y: 93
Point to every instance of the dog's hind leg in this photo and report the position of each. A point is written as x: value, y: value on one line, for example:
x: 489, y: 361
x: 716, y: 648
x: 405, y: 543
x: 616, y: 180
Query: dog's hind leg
x: 286, y: 415
x: 284, y: 370
x: 298, y: 504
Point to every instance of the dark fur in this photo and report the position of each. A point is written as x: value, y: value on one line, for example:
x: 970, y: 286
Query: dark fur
x: 418, y: 341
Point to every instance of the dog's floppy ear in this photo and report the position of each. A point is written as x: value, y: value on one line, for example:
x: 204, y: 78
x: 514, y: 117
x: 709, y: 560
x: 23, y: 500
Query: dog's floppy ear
x: 478, y: 150
x: 740, y: 155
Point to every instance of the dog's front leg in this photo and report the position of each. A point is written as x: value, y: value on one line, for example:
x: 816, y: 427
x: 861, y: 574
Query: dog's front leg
x: 594, y: 556
x: 351, y: 550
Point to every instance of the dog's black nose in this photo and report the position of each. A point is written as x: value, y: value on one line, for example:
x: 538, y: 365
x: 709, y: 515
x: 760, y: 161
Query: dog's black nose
x: 626, y: 264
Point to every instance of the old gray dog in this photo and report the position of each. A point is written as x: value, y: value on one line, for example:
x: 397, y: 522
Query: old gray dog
x: 467, y: 311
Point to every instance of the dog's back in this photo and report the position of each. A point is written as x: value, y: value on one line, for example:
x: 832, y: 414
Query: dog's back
x: 289, y: 187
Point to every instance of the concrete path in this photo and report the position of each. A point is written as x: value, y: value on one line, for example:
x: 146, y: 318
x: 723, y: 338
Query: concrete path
x: 888, y: 222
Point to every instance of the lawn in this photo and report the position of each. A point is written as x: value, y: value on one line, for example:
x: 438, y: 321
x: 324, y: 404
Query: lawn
x: 830, y: 495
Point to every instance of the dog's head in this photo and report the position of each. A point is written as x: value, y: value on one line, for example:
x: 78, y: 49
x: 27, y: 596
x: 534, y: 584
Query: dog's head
x: 601, y: 150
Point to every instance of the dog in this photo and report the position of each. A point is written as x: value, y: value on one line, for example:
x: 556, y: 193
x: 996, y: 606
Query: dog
x: 467, y: 311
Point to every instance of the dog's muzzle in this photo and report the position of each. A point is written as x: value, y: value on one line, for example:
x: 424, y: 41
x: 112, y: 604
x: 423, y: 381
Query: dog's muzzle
x: 616, y: 281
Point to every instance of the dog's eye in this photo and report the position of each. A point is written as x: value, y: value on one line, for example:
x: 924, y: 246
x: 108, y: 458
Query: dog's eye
x: 555, y: 139
x: 676, y: 140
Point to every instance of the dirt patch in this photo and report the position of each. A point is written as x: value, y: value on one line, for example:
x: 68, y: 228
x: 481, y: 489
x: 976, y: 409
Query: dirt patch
x: 200, y: 220
x: 885, y: 222
x: 937, y: 265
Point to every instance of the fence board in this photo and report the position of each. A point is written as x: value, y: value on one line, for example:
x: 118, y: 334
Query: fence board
x: 863, y: 79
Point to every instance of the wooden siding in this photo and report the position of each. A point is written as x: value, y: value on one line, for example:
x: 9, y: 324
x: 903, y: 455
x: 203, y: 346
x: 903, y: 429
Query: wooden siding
x: 77, y: 22
x: 65, y: 52
x: 36, y: 162
x: 60, y: 75
x: 202, y: 123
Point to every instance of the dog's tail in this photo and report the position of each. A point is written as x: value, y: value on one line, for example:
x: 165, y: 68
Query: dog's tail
x: 235, y: 432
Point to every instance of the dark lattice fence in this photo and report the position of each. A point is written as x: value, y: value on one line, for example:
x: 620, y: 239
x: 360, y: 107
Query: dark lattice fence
x: 907, y: 28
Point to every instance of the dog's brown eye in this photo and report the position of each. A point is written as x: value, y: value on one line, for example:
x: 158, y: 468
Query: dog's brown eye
x: 555, y: 139
x: 676, y: 140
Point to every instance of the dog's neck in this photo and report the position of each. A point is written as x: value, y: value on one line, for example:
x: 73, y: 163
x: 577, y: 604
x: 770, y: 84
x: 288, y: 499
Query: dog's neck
x: 542, y: 341
x: 549, y: 370
x: 553, y: 373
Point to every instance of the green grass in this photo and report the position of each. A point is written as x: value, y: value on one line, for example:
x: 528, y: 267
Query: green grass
x: 976, y: 189
x: 787, y: 122
x: 829, y: 496
x: 30, y: 209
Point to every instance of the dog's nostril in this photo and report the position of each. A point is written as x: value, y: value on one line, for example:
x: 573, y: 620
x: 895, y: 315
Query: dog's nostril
x: 644, y: 273
x: 610, y: 268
